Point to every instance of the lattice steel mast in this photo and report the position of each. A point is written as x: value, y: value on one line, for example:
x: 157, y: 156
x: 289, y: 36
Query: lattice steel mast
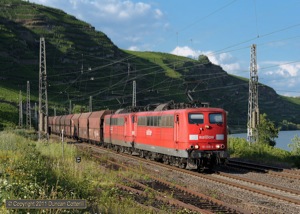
x: 43, y: 97
x: 20, y: 110
x: 253, y: 110
x: 70, y: 106
x: 28, y: 108
x: 91, y: 104
x: 134, y: 93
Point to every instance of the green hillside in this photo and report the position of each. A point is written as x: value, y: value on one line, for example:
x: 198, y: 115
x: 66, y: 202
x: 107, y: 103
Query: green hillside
x: 83, y: 62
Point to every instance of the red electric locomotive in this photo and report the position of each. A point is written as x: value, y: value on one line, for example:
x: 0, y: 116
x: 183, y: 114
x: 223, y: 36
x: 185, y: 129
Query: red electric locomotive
x: 190, y: 137
x: 193, y: 138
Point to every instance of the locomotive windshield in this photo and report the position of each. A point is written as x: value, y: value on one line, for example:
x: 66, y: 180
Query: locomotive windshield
x: 216, y: 118
x: 196, y: 118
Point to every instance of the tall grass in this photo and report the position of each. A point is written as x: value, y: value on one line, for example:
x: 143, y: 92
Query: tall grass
x: 40, y: 170
x: 262, y: 153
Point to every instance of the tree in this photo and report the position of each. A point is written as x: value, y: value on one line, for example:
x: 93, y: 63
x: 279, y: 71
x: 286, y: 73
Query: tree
x: 203, y: 59
x: 267, y: 132
x: 295, y: 145
x: 78, y: 109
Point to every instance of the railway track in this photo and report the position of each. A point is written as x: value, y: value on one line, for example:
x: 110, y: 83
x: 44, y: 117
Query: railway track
x: 181, y: 197
x: 281, y: 194
x: 275, y: 171
x: 252, y: 166
x: 266, y: 189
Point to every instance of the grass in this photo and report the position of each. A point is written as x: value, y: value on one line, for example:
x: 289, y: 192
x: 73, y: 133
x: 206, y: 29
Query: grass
x: 48, y: 170
x: 41, y: 170
x: 158, y: 58
x: 261, y: 153
x: 8, y: 115
x: 295, y: 100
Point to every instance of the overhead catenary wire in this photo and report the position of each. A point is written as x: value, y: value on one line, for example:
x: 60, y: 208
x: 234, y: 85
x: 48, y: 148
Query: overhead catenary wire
x: 280, y: 30
x: 163, y: 71
x: 95, y: 93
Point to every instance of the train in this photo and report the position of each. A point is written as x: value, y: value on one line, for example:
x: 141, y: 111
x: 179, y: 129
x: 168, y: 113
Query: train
x: 184, y: 135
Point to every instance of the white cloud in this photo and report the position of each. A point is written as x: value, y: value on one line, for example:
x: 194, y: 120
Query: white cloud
x: 291, y: 70
x: 117, y: 10
x: 119, y: 19
x: 158, y: 13
x: 133, y: 48
x: 282, y: 76
x: 225, y: 60
x: 185, y: 51
x: 281, y: 68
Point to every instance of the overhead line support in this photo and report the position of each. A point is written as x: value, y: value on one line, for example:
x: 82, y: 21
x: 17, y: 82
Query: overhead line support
x: 43, y: 97
x: 253, y: 110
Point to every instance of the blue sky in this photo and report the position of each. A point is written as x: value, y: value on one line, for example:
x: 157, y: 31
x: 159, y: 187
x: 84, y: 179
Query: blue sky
x: 223, y: 30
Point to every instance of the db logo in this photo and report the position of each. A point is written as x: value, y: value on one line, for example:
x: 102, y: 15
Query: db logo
x: 149, y: 132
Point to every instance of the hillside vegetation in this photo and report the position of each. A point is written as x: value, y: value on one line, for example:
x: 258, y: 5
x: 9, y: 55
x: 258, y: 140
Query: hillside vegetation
x: 83, y: 62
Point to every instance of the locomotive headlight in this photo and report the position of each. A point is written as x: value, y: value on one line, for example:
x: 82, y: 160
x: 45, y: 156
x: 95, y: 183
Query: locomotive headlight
x: 196, y: 146
x: 220, y: 146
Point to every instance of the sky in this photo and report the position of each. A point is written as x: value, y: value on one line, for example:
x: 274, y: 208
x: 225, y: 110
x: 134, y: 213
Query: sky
x: 224, y: 30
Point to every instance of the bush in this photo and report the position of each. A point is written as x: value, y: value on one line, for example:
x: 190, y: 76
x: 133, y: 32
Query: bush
x: 40, y: 170
x: 267, y: 132
x: 257, y: 152
x: 203, y: 59
x: 295, y: 146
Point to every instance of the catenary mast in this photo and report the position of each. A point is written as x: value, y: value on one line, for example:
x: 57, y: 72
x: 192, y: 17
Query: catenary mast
x: 28, y: 108
x: 43, y: 97
x: 253, y: 110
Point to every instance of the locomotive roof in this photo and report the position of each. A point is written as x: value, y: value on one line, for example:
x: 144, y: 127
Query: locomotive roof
x: 201, y: 109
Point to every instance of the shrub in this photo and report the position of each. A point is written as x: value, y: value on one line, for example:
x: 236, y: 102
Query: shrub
x: 262, y: 153
x: 295, y: 146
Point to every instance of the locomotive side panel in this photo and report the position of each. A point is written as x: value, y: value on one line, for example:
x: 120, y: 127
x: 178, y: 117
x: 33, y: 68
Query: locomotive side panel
x: 129, y: 128
x: 118, y: 129
x: 155, y: 133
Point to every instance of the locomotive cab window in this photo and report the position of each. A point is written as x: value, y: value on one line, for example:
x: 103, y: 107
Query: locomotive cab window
x: 196, y: 118
x: 216, y: 118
